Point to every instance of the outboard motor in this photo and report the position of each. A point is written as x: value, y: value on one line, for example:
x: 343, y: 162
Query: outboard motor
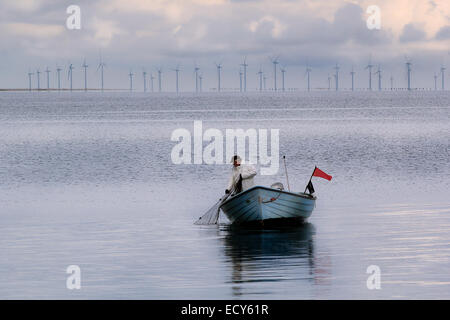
x: 277, y: 185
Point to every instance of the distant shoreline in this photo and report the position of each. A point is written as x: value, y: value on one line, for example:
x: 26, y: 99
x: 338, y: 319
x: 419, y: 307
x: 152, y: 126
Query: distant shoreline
x: 63, y: 90
x: 229, y: 91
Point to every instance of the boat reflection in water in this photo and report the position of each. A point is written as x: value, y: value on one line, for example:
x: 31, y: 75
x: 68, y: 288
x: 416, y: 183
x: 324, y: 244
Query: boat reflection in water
x: 267, y: 261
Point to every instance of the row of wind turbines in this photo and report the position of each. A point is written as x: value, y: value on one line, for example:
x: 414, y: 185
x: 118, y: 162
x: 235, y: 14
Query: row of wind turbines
x: 378, y: 73
x: 69, y: 76
x: 262, y: 77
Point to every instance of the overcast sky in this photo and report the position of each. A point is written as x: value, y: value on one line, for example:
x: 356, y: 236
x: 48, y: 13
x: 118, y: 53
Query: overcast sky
x: 138, y: 34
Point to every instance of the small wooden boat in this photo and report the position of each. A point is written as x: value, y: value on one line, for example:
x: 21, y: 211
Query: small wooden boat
x: 263, y: 205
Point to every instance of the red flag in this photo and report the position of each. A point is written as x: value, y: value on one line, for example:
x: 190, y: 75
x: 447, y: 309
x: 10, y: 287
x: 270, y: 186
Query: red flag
x: 319, y: 173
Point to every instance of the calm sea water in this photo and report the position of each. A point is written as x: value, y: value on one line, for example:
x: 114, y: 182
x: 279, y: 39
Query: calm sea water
x: 87, y: 180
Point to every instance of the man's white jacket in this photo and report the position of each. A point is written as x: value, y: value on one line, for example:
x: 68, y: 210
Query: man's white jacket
x: 247, y: 171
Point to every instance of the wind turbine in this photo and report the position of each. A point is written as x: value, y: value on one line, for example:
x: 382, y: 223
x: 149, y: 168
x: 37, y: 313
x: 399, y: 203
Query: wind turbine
x: 177, y: 70
x: 38, y: 73
x: 352, y: 73
x: 131, y: 80
x: 245, y: 65
x: 265, y: 78
x: 442, y: 75
x: 29, y: 80
x: 48, y: 78
x: 144, y: 74
x: 200, y: 77
x: 408, y: 70
x: 369, y: 66
x: 159, y: 80
x: 85, y: 66
x: 329, y: 82
x: 240, y: 80
x: 58, y: 70
x: 378, y: 72
x: 151, y: 81
x: 101, y: 65
x: 275, y: 62
x: 308, y: 73
x: 435, y: 81
x: 260, y: 73
x: 283, y: 71
x: 336, y: 76
x: 392, y: 82
x: 219, y: 67
x: 196, y: 69
x: 69, y: 75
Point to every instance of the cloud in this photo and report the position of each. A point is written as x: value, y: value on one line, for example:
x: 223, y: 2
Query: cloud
x: 33, y: 30
x: 412, y: 33
x: 22, y: 5
x: 267, y: 25
x: 350, y: 21
x: 105, y: 31
x: 443, y: 33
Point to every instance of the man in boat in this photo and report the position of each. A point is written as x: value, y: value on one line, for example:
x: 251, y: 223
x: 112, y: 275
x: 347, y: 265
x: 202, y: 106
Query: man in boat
x: 242, y: 176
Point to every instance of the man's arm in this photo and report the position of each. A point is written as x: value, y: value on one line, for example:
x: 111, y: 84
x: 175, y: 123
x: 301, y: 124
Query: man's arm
x: 230, y: 184
x: 248, y: 172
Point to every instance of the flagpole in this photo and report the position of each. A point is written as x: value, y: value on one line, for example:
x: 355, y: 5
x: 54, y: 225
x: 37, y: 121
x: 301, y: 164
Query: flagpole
x: 310, y: 179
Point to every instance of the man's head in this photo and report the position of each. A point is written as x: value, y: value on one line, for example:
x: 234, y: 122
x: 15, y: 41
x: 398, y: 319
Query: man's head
x: 236, y: 160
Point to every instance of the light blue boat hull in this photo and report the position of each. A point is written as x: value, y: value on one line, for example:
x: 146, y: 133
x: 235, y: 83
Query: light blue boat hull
x: 261, y: 204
